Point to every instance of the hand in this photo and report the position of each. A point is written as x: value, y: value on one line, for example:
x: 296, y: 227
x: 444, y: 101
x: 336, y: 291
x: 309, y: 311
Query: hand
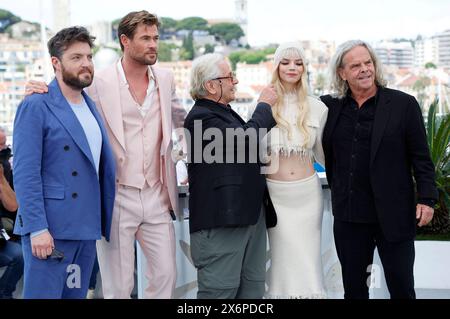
x: 42, y: 245
x: 268, y: 95
x: 32, y: 87
x: 424, y: 213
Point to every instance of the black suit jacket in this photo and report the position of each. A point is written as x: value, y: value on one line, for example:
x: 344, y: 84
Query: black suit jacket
x: 226, y: 194
x: 398, y: 151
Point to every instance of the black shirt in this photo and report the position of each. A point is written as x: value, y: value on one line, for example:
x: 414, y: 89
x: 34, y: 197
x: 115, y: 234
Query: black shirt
x: 351, y: 146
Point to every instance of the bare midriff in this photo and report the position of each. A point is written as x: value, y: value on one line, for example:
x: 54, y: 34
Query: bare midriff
x: 290, y: 168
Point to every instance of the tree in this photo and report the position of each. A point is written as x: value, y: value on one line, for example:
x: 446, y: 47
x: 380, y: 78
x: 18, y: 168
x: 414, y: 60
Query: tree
x: 430, y: 65
x: 270, y: 50
x: 192, y: 23
x: 165, y: 51
x: 438, y: 137
x: 250, y: 57
x: 187, y: 50
x: 7, y: 19
x: 209, y: 48
x: 234, y: 58
x: 227, y: 31
x: 20, y: 68
x: 168, y: 23
x: 254, y: 57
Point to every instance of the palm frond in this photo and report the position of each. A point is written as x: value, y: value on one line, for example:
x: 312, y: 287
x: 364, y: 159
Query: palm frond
x: 438, y: 138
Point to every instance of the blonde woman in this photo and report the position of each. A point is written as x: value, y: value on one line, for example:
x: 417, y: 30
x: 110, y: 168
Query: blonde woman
x: 294, y: 187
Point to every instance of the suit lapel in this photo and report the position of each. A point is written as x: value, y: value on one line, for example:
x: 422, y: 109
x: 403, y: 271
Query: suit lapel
x: 333, y: 114
x: 236, y: 115
x: 108, y: 90
x: 97, y: 116
x: 59, y: 106
x: 382, y: 114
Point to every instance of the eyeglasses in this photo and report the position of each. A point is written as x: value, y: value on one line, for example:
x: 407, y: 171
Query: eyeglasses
x: 231, y: 76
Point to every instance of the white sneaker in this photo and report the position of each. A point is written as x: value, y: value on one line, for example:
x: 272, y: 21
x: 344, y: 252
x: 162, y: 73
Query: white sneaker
x: 90, y: 294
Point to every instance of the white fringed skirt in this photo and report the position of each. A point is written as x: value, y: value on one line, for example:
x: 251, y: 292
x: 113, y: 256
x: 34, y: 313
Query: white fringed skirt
x: 296, y: 262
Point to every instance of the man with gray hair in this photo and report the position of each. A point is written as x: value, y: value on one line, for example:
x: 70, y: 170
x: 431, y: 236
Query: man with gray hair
x: 228, y: 237
x: 375, y: 144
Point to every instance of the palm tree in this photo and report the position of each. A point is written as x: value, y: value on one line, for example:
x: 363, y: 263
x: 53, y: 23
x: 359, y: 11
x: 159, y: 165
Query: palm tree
x: 438, y: 135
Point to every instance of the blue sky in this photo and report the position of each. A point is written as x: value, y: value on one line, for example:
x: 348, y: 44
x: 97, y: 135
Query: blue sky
x: 275, y: 20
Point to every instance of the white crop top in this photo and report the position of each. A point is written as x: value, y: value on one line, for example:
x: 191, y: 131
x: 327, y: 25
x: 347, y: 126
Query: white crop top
x: 283, y: 143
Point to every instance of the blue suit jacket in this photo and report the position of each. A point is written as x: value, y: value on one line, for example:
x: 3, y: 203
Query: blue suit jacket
x: 54, y: 173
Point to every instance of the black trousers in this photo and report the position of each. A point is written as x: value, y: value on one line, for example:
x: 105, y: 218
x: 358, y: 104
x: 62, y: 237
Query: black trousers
x: 355, y: 245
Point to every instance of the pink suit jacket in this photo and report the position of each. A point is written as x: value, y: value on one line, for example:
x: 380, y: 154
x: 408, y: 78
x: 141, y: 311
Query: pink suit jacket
x: 105, y: 91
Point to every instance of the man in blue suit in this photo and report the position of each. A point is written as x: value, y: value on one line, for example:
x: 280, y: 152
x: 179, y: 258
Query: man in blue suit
x: 64, y: 175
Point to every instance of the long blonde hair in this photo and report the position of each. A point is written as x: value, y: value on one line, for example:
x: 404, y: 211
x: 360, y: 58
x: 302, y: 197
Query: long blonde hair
x: 301, y: 89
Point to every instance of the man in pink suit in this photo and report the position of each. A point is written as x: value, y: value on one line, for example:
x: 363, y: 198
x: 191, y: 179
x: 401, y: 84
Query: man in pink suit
x: 138, y: 103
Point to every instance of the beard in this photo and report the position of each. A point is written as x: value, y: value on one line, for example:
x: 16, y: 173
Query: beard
x: 144, y: 59
x: 78, y: 81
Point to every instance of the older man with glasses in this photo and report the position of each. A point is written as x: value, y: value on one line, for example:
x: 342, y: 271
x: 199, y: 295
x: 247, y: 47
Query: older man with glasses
x: 228, y: 237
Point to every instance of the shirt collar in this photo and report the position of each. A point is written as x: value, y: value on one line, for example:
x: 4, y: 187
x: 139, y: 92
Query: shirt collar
x: 211, y: 103
x: 150, y: 74
x: 348, y: 97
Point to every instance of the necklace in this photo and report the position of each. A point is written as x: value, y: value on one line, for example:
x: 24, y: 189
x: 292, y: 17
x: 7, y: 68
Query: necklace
x: 133, y: 95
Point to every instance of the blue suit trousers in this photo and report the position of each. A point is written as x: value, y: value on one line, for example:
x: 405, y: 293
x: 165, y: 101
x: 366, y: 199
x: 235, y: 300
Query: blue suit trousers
x: 66, y: 278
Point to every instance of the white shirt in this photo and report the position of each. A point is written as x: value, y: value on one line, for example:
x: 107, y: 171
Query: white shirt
x: 150, y: 90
